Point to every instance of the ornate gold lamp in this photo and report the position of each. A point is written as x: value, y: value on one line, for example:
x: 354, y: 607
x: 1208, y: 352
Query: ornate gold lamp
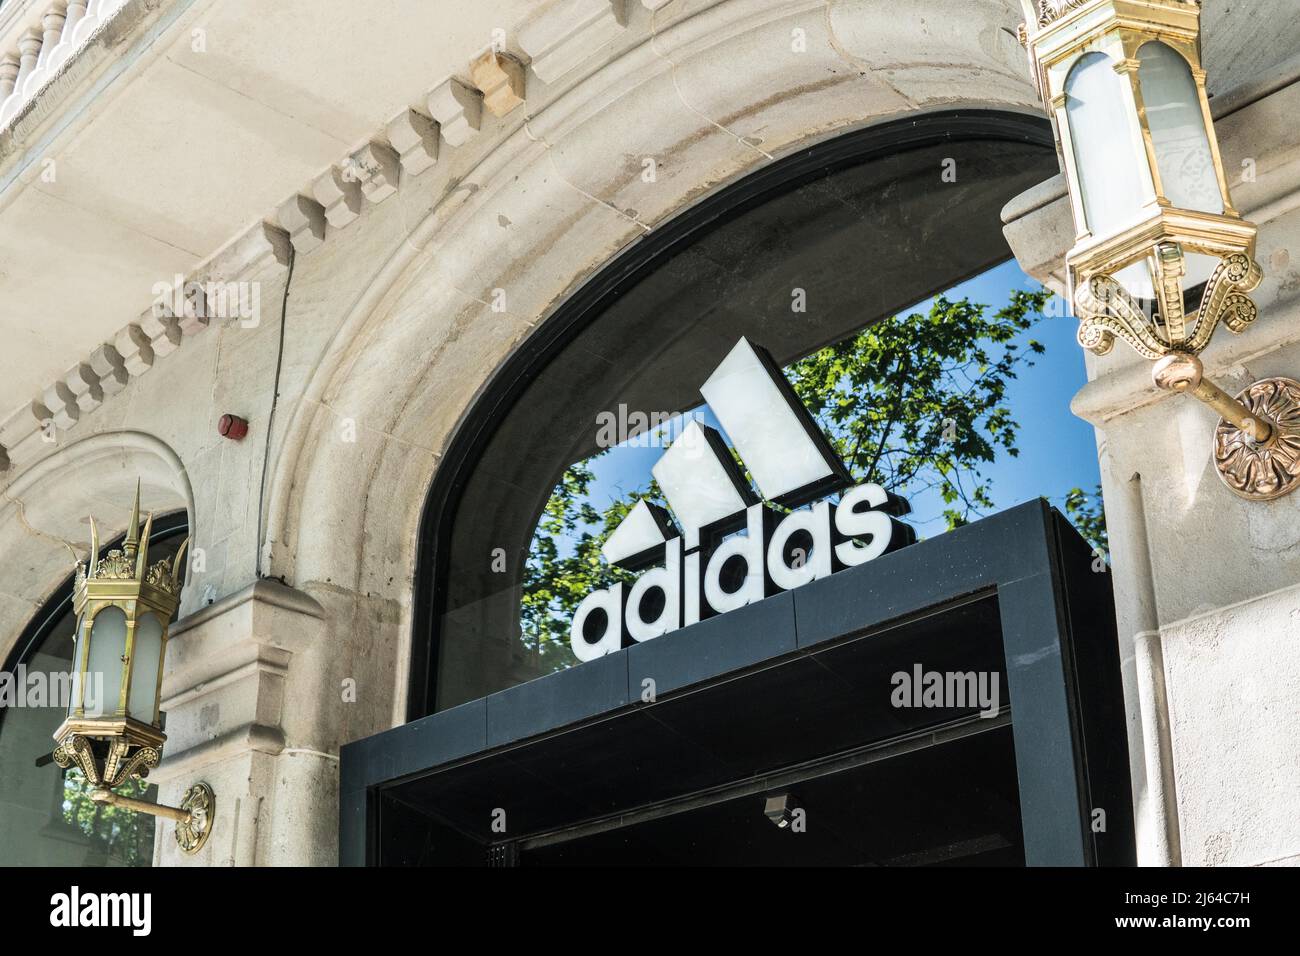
x: 1161, y: 258
x: 113, y: 730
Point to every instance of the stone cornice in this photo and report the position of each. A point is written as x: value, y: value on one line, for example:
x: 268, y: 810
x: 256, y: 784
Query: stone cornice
x: 409, y: 144
x: 135, y: 348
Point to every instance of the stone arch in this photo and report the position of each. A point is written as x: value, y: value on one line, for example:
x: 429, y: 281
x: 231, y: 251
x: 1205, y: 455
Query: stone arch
x: 541, y: 209
x: 44, y: 512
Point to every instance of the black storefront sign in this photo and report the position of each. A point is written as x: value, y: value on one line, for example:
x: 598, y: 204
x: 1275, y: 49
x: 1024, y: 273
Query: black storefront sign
x: 666, y: 752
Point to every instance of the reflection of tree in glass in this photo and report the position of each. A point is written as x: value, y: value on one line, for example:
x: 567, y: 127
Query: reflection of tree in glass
x: 1084, y: 509
x: 913, y: 403
x: 120, y: 837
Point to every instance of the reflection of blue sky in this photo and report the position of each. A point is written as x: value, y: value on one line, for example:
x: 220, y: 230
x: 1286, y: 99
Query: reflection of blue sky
x: 1057, y: 450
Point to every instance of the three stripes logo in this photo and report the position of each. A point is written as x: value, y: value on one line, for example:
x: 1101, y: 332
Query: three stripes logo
x: 732, y: 548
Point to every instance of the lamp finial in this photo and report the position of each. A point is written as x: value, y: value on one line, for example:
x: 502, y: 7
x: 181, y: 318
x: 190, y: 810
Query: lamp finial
x: 132, y: 542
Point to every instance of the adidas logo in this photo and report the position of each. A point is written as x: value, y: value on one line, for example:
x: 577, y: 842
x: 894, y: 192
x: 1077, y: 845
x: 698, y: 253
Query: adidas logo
x: 732, y: 548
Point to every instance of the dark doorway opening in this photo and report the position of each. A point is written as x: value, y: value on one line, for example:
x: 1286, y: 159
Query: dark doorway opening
x: 950, y: 803
x: 686, y: 778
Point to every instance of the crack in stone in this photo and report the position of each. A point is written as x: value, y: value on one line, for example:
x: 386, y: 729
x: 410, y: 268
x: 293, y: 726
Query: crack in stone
x: 20, y: 509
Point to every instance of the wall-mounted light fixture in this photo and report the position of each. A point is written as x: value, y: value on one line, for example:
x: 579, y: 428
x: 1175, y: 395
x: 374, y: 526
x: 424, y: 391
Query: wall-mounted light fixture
x: 1161, y: 258
x: 113, y: 730
x: 780, y: 809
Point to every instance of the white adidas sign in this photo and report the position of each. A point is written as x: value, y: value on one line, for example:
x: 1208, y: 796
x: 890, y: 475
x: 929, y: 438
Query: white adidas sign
x: 706, y: 569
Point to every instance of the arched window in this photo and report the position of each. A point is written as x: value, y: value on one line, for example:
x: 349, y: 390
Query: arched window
x: 804, y: 258
x: 46, y: 815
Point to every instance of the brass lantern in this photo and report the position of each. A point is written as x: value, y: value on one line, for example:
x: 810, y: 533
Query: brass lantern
x: 1161, y: 258
x: 113, y: 730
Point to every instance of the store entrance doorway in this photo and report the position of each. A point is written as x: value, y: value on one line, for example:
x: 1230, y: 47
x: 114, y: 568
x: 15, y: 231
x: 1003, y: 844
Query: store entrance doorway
x: 957, y: 702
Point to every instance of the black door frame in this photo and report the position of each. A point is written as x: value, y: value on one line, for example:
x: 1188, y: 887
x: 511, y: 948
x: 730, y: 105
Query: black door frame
x: 1058, y: 632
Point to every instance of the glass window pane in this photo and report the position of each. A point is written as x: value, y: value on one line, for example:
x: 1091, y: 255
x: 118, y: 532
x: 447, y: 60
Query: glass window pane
x: 104, y: 667
x: 1173, y: 108
x: 144, y: 669
x: 1112, y: 178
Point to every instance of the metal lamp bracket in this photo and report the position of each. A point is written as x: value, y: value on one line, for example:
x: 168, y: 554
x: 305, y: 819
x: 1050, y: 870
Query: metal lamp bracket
x: 194, y: 817
x: 1257, y: 440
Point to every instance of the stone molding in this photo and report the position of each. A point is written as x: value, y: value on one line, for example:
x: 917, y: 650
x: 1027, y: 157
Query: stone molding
x: 230, y: 689
x: 111, y: 366
x: 568, y: 33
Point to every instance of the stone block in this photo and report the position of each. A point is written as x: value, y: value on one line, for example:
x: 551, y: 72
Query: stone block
x: 62, y: 405
x: 133, y: 346
x: 163, y: 331
x: 304, y: 220
x: 339, y: 193
x: 458, y: 109
x: 107, y: 363
x: 501, y: 78
x: 84, y: 385
x: 415, y: 138
x: 379, y: 171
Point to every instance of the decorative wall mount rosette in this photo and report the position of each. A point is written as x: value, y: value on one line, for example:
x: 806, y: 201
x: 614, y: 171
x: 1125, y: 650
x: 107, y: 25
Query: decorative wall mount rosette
x: 201, y: 803
x: 1261, y: 471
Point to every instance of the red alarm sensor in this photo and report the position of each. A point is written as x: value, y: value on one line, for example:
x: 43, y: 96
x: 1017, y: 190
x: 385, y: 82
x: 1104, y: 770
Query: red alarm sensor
x: 232, y: 427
